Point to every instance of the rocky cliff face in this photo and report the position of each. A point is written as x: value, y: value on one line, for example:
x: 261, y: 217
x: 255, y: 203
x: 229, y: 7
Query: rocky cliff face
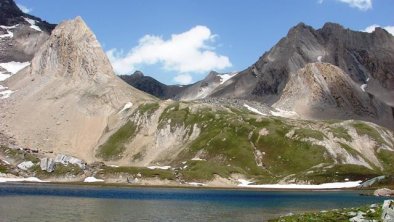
x: 360, y: 55
x: 21, y: 34
x: 69, y: 97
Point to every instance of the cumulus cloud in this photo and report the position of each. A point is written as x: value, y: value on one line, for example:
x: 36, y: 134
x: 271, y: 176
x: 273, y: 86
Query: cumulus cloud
x: 360, y: 4
x: 183, y: 79
x: 24, y: 8
x: 371, y: 28
x: 188, y: 52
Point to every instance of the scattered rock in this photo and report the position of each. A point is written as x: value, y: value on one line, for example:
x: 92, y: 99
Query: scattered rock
x: 372, y: 181
x: 384, y: 192
x: 25, y: 165
x: 65, y: 160
x: 388, y: 211
x: 47, y: 164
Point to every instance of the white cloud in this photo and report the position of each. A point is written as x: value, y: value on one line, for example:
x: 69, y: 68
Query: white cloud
x: 360, y: 4
x: 188, y: 52
x: 24, y: 8
x: 183, y: 79
x: 371, y: 28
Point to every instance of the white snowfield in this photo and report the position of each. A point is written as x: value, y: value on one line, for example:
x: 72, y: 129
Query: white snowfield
x: 126, y: 107
x: 196, y: 184
x: 9, y: 33
x: 18, y: 179
x: 198, y: 159
x: 336, y: 185
x: 92, y: 180
x: 159, y: 167
x: 363, y: 86
x: 14, y: 67
x: 284, y: 113
x: 32, y: 24
x: 226, y: 76
x: 5, y: 94
x: 253, y: 110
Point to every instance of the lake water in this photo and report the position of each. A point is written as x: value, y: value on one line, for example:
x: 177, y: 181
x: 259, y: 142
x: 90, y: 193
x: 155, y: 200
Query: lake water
x: 45, y: 202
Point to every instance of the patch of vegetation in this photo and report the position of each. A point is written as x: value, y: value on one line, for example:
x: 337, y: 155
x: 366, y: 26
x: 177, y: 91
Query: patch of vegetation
x: 59, y: 171
x: 341, y: 132
x: 148, y: 108
x: 387, y: 158
x: 309, y: 133
x: 133, y: 171
x: 3, y: 169
x: 206, y: 170
x: 334, y: 215
x: 284, y: 156
x: 114, y: 147
x: 339, y: 173
x: 364, y: 129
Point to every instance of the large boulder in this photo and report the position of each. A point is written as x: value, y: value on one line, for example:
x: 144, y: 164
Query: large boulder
x: 372, y: 181
x: 388, y: 211
x: 65, y: 160
x: 47, y: 164
x: 25, y: 165
x: 383, y: 192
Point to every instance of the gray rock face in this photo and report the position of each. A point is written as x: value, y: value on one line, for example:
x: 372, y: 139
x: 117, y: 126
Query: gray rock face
x: 372, y: 181
x: 65, y: 160
x: 47, y: 164
x: 388, y: 211
x: 25, y: 165
x: 21, y: 34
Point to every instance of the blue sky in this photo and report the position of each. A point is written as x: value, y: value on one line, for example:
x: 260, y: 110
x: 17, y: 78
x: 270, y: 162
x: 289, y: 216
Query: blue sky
x: 179, y: 41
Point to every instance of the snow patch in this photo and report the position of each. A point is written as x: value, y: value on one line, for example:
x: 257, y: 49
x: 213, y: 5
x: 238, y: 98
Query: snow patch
x: 126, y: 107
x: 227, y: 76
x: 244, y: 182
x: 198, y: 159
x: 319, y: 58
x: 92, y: 180
x: 32, y: 24
x: 9, y: 33
x: 18, y: 179
x: 363, y: 86
x: 336, y: 185
x: 159, y: 167
x: 284, y: 113
x: 5, y: 94
x: 14, y: 67
x: 196, y: 184
x: 253, y: 110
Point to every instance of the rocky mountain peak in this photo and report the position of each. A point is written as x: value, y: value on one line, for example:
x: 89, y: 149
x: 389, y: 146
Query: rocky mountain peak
x: 72, y: 51
x: 8, y: 11
x: 138, y: 74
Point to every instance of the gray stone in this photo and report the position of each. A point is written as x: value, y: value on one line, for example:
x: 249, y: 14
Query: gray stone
x: 65, y: 160
x: 383, y: 192
x: 388, y: 211
x: 47, y: 164
x: 372, y: 181
x: 25, y: 165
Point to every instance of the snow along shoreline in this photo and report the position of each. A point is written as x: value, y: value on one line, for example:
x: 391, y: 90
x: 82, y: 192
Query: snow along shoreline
x: 336, y: 185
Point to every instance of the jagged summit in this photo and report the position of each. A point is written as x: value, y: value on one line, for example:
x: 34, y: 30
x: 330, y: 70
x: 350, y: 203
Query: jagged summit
x: 69, y: 97
x: 11, y: 15
x: 72, y: 51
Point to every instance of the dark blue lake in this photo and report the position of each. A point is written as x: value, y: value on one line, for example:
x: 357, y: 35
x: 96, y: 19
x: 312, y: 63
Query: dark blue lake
x: 45, y: 202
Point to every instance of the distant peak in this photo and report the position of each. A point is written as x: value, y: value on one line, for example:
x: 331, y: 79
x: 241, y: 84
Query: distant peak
x: 299, y: 28
x: 330, y: 26
x: 138, y: 74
